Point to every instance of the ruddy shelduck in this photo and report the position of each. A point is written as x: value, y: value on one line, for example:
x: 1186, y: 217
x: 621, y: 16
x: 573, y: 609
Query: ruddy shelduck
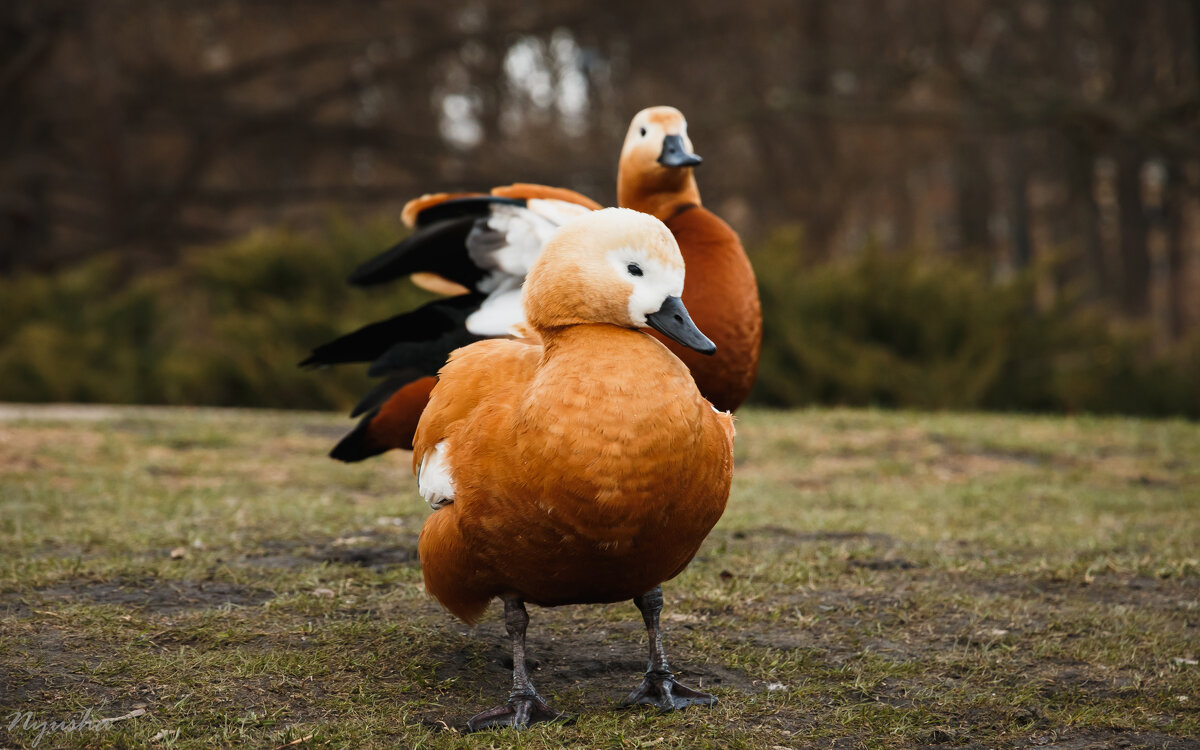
x: 580, y: 465
x: 480, y: 247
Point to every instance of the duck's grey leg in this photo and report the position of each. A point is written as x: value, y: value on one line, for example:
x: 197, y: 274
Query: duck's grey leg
x: 660, y: 688
x: 524, y: 705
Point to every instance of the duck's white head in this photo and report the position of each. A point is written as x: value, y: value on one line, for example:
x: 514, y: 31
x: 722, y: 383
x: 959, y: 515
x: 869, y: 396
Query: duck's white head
x: 615, y: 266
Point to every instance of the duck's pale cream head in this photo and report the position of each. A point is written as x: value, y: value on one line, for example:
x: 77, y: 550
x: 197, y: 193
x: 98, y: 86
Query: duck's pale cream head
x: 656, y: 160
x: 615, y: 266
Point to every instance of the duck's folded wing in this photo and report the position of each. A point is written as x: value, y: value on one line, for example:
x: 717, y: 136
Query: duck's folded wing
x: 480, y: 243
x: 473, y: 245
x: 531, y: 191
x: 518, y: 190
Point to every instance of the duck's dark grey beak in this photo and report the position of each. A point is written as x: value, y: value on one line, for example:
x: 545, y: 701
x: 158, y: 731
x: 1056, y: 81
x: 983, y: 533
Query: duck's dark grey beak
x: 672, y: 320
x: 676, y: 154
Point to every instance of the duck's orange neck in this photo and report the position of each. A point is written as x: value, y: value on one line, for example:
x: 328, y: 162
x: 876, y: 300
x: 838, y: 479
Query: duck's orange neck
x: 660, y: 191
x: 607, y: 351
x: 559, y: 338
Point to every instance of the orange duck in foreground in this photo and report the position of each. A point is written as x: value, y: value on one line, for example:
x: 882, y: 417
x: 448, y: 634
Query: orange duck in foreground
x: 480, y: 248
x: 582, y: 468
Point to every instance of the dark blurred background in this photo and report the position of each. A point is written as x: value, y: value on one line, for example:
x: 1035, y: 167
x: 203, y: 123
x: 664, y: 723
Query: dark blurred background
x: 967, y: 204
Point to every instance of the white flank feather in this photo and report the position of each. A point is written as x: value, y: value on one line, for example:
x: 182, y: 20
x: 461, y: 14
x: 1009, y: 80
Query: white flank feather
x: 433, y: 478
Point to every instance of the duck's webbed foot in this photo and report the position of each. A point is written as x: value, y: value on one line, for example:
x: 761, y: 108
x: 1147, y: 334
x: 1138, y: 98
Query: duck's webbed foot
x: 662, y: 691
x: 520, y: 712
x: 524, y: 705
x: 659, y: 688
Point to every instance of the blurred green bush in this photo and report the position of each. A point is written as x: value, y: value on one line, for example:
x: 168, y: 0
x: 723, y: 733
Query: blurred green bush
x: 225, y: 327
x: 228, y: 325
x: 914, y: 330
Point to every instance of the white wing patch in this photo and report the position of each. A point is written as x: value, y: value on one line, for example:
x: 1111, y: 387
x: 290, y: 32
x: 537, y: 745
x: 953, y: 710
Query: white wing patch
x: 505, y: 245
x: 433, y: 478
x: 501, y: 311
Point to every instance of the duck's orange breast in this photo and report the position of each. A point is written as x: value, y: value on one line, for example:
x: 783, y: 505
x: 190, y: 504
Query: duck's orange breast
x: 598, y: 483
x: 722, y: 296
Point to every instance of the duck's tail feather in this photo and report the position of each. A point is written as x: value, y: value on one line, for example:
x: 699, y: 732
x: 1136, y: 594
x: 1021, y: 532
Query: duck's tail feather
x: 483, y: 243
x: 388, y: 426
x: 438, y: 248
x: 434, y: 326
x: 412, y: 359
x: 437, y: 245
x: 357, y: 444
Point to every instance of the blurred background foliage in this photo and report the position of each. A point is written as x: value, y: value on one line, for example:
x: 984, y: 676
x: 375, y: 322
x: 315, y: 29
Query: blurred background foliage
x: 227, y: 325
x: 978, y: 203
x: 918, y: 330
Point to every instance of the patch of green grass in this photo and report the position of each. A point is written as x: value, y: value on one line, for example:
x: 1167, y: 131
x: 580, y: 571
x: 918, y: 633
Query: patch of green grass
x: 879, y: 580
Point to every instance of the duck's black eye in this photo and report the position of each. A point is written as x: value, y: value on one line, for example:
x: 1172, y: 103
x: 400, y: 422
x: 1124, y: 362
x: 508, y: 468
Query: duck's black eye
x: 642, y: 131
x: 634, y: 269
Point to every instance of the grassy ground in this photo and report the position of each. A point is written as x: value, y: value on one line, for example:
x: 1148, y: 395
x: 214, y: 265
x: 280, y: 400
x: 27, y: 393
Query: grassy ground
x: 880, y: 580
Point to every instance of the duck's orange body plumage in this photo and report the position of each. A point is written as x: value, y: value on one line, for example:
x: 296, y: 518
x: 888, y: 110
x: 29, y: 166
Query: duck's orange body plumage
x: 727, y: 308
x: 582, y: 465
x: 655, y: 176
x: 583, y: 455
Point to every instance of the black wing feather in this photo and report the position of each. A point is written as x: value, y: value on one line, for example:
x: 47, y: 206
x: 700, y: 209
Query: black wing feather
x: 416, y: 359
x: 428, y: 323
x: 438, y: 245
x: 476, y: 207
x: 439, y: 248
x: 357, y: 446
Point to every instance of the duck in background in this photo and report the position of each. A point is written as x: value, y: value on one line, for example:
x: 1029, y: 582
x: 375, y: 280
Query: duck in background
x: 581, y: 465
x: 479, y: 248
x: 656, y: 177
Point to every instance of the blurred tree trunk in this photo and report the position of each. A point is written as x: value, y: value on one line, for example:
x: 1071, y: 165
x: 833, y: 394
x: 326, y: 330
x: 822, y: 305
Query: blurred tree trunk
x: 973, y: 193
x: 106, y: 139
x: 1184, y: 225
x: 1173, y: 198
x: 1020, y: 234
x: 821, y: 152
x: 28, y: 34
x: 1092, y: 266
x: 1086, y: 265
x: 1135, y: 257
x: 902, y: 207
x: 1124, y: 22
